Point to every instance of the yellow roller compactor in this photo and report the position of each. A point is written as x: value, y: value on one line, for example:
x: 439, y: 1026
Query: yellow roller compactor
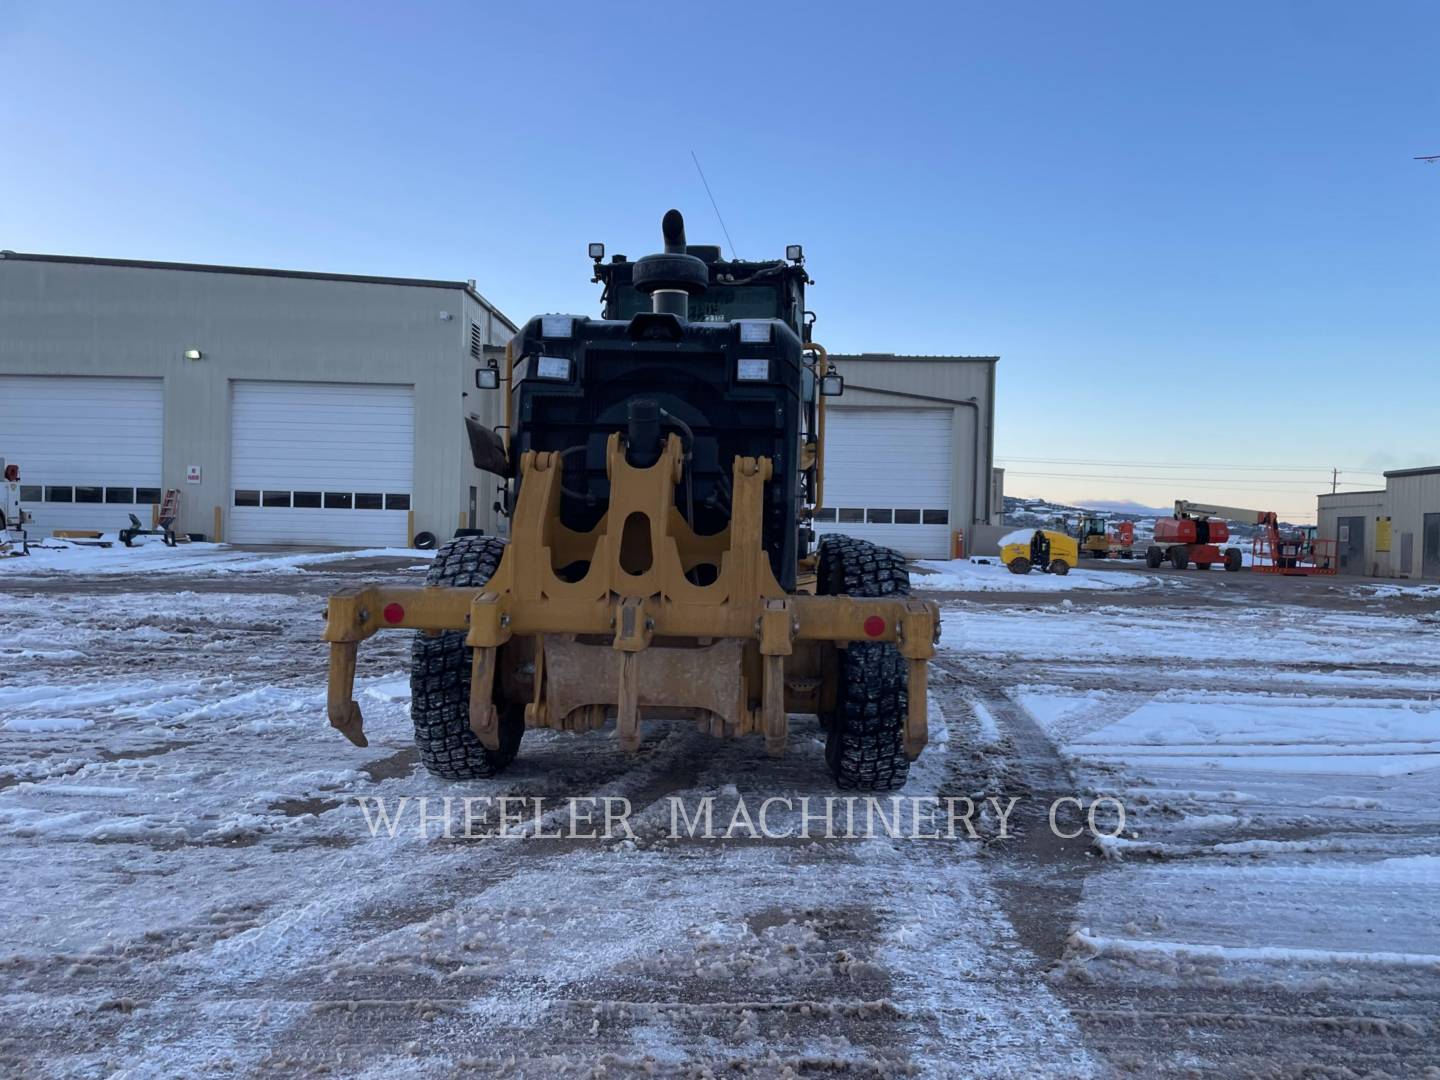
x: 661, y: 467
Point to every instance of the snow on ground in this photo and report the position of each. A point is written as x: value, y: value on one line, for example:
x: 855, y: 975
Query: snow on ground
x: 151, y: 556
x: 189, y: 873
x: 1399, y: 590
x: 192, y: 888
x: 990, y: 575
x: 1281, y: 849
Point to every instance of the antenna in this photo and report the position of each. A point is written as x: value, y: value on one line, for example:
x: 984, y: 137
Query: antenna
x: 733, y: 253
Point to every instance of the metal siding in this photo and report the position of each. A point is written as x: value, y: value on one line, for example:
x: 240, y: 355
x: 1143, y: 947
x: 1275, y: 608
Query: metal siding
x: 1409, y: 499
x: 956, y: 378
x: 80, y: 319
x: 83, y: 431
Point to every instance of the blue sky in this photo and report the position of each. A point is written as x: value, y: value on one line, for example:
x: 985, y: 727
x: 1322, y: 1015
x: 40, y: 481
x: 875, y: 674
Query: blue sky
x: 1195, y: 235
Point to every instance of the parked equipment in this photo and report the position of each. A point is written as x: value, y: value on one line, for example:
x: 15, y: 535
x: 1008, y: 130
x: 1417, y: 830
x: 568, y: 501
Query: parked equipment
x: 1194, y: 535
x: 1196, y: 530
x: 1098, y: 540
x: 661, y: 560
x: 14, y: 539
x: 164, y: 524
x: 1052, y: 552
x: 1297, y: 553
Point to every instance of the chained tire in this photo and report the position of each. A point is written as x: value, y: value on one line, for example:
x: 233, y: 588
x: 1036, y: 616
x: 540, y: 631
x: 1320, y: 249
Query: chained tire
x: 865, y: 736
x: 440, y: 677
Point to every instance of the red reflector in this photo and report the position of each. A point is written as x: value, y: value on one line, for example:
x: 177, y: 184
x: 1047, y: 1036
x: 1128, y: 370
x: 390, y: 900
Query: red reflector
x: 393, y: 613
x: 874, y: 626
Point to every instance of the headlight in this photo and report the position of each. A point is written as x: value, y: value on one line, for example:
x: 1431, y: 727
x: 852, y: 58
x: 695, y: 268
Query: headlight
x: 754, y: 331
x: 557, y: 326
x: 552, y: 367
x: 752, y: 370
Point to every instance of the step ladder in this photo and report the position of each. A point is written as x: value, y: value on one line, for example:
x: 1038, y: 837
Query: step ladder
x: 170, y: 514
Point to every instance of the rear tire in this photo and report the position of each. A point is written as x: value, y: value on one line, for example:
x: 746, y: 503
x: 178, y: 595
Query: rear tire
x: 865, y: 737
x: 440, y: 677
x: 1233, y: 561
x: 1154, y: 557
x: 1019, y: 565
x: 1059, y: 567
x: 1179, y: 558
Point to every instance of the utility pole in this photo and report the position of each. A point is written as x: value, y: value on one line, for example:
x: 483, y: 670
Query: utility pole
x: 1334, y: 480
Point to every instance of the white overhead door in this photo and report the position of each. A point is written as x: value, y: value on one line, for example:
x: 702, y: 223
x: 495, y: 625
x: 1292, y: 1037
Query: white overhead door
x: 887, y: 478
x: 89, y: 448
x: 321, y: 463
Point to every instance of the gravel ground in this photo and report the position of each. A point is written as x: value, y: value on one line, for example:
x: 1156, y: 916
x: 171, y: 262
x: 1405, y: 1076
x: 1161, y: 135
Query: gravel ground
x: 193, y: 886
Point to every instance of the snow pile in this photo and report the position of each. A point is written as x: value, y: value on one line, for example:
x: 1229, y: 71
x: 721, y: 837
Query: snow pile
x: 988, y: 575
x: 1018, y: 536
x: 153, y: 557
x: 1400, y: 592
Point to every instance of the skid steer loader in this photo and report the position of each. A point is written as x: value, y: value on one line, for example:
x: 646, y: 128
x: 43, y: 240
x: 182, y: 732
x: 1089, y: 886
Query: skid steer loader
x: 662, y: 466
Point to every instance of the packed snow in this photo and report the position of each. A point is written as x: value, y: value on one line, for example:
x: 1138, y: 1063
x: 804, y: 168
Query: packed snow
x: 193, y: 886
x: 980, y: 574
x: 151, y: 556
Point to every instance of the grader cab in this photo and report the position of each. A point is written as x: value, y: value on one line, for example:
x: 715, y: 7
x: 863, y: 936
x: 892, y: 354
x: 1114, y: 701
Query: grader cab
x: 662, y: 465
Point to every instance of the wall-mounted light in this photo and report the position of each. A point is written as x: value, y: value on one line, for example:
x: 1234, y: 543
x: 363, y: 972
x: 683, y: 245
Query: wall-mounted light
x: 193, y: 354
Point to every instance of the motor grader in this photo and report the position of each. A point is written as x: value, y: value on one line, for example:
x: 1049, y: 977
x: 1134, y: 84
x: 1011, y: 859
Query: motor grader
x: 661, y: 467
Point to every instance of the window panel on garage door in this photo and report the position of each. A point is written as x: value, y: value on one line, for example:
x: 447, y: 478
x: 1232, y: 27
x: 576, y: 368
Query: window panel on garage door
x: 89, y: 448
x: 887, y: 477
x: 326, y: 463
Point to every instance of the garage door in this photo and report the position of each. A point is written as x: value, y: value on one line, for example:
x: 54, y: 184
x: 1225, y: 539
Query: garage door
x: 887, y: 477
x: 89, y: 448
x: 321, y: 463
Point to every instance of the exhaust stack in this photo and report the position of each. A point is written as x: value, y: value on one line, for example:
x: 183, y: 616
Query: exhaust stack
x: 675, y: 276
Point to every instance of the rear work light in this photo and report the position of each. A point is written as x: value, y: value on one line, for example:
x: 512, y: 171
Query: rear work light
x: 752, y: 370
x: 754, y: 332
x: 552, y: 367
x: 557, y: 326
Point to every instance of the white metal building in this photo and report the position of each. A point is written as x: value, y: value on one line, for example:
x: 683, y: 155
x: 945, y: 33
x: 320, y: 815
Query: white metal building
x: 909, y: 450
x: 1392, y: 532
x: 286, y: 407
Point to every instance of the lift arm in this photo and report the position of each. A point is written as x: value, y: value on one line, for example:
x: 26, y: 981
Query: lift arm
x: 1184, y: 509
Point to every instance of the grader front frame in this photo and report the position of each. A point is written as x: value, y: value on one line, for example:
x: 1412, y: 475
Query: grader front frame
x: 639, y: 616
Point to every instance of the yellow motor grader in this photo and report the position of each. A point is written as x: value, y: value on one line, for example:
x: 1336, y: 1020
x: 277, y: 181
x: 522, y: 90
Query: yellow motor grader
x: 662, y: 466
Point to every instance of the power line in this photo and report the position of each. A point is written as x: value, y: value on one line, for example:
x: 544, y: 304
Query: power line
x: 733, y: 253
x: 1187, y: 465
x: 1169, y: 480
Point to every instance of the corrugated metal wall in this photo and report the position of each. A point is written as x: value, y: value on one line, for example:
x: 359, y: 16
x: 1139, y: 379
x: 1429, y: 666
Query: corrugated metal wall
x: 1408, y: 509
x: 87, y: 319
x: 963, y: 384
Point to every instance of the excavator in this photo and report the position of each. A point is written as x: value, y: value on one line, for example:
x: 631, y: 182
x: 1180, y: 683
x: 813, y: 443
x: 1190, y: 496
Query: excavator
x: 1197, y: 530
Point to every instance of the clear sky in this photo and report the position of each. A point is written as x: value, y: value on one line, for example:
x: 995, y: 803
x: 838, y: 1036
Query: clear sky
x: 1194, y: 234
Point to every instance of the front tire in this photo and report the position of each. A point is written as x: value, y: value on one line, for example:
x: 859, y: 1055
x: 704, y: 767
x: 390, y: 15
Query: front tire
x: 1179, y: 558
x: 1154, y: 557
x: 440, y: 677
x: 1233, y: 560
x: 865, y: 737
